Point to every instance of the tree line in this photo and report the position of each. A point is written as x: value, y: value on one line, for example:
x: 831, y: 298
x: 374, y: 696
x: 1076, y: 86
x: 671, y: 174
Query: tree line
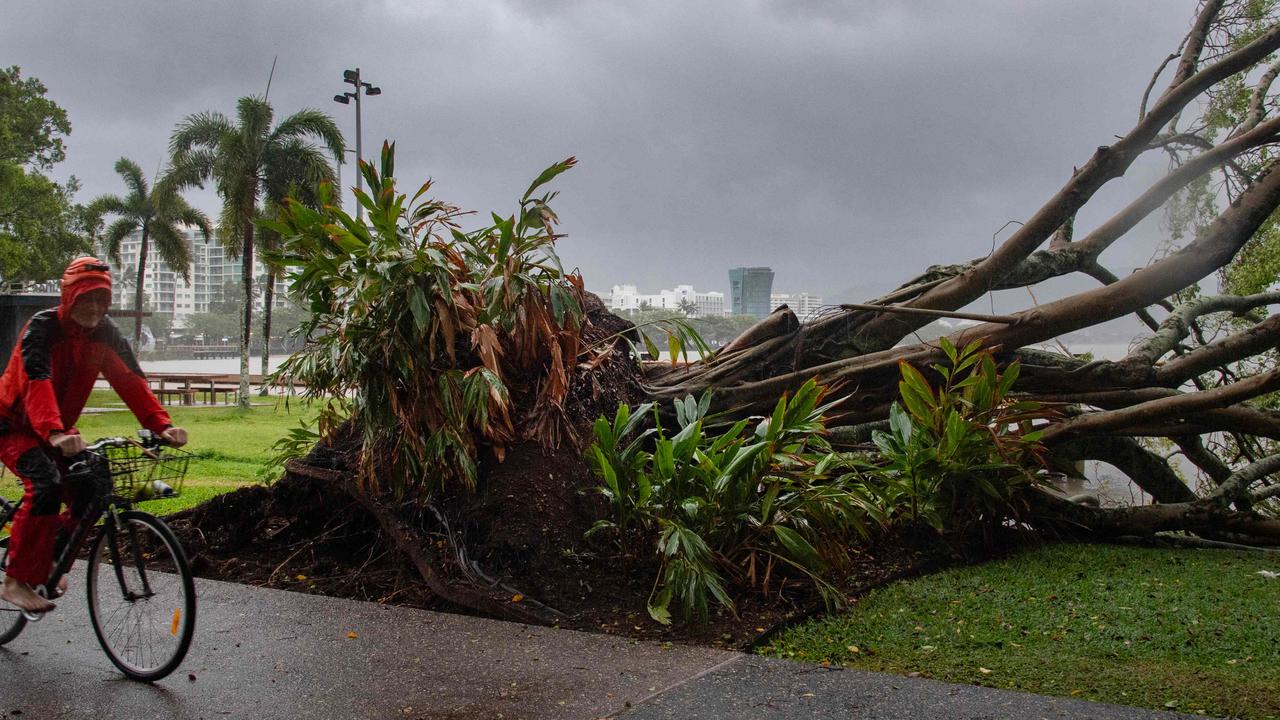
x: 253, y: 165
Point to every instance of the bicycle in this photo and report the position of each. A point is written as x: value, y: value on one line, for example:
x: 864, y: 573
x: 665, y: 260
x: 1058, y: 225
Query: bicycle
x: 142, y: 597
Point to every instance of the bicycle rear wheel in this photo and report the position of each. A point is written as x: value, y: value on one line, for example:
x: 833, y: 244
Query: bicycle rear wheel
x: 11, y: 619
x: 142, y: 599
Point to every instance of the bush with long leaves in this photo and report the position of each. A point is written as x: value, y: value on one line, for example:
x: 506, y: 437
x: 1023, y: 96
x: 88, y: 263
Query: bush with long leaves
x: 957, y: 454
x: 741, y: 507
x: 436, y: 341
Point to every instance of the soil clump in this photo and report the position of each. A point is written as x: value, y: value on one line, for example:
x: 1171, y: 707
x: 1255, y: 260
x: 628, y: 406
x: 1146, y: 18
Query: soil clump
x: 522, y: 533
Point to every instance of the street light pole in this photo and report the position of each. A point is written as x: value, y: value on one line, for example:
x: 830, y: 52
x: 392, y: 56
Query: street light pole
x: 352, y: 77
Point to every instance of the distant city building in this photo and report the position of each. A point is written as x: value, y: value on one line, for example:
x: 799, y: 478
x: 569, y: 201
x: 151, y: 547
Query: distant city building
x: 683, y: 297
x: 805, y: 305
x: 749, y: 290
x: 166, y: 292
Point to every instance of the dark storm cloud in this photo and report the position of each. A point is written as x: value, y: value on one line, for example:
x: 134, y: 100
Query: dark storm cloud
x: 844, y: 144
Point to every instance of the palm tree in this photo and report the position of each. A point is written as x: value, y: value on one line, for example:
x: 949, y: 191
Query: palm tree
x: 250, y: 161
x: 156, y: 212
x: 297, y: 176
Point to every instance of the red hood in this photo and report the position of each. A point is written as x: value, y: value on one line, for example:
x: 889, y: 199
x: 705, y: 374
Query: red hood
x: 82, y: 275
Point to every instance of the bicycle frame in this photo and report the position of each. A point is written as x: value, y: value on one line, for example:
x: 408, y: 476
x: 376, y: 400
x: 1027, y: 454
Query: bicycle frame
x: 157, y: 589
x: 102, y: 505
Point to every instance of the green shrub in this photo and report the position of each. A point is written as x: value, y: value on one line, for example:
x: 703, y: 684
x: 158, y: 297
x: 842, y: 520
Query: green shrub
x: 433, y: 341
x: 743, y: 507
x: 958, y: 454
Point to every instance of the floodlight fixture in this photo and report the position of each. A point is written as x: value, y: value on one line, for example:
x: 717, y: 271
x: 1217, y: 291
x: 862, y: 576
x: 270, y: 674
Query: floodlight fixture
x: 352, y: 77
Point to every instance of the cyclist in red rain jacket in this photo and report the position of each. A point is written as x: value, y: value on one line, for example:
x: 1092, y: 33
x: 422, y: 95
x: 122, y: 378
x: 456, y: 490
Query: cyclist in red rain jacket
x: 45, y: 386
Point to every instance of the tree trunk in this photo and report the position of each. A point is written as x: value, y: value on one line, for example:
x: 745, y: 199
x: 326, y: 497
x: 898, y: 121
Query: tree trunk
x: 137, y: 293
x: 268, y: 294
x: 246, y: 267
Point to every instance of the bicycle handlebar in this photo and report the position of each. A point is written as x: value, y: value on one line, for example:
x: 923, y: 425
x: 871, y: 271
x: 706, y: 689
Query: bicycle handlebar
x: 149, y: 442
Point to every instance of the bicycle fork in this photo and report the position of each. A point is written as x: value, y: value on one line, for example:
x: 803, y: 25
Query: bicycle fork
x: 112, y: 528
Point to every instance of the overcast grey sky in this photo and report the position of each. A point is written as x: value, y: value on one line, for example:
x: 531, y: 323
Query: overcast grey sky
x: 846, y: 145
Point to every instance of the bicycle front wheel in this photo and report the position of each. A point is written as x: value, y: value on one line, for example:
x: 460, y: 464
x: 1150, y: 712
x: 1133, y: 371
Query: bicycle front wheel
x: 11, y: 619
x: 142, y: 599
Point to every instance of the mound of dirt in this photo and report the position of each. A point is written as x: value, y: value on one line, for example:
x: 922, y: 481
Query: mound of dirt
x: 524, y: 530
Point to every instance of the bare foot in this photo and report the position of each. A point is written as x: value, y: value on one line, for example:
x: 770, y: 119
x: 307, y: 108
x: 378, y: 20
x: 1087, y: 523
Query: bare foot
x: 21, y: 596
x: 62, y: 587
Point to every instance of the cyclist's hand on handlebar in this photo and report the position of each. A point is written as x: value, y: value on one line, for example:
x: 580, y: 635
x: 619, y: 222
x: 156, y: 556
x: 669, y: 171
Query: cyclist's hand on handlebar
x: 175, y: 436
x: 69, y: 444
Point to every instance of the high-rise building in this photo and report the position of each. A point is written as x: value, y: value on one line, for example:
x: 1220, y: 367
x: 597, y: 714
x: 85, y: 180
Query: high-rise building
x: 805, y: 305
x: 166, y: 293
x: 749, y: 290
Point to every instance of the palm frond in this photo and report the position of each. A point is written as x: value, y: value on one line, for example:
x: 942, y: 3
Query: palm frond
x: 190, y: 168
x: 204, y: 129
x: 115, y: 235
x: 133, y: 178
x: 191, y: 217
x: 107, y: 205
x: 295, y: 168
x: 231, y: 230
x: 312, y: 123
x: 173, y: 249
x: 255, y: 116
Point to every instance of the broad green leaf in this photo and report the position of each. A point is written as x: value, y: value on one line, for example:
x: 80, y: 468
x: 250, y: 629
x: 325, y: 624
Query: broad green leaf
x: 798, y: 549
x: 421, y: 311
x: 900, y: 423
x: 648, y: 344
x: 548, y: 175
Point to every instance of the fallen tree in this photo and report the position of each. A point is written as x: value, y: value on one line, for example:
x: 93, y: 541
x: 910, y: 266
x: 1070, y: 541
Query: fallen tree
x: 439, y: 351
x: 1204, y: 375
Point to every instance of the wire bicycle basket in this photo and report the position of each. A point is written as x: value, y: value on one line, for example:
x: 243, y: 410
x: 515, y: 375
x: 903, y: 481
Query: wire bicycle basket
x: 140, y: 474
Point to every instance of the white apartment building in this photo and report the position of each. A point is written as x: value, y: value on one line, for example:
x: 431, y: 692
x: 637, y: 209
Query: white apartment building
x: 805, y: 305
x: 700, y: 304
x: 165, y: 289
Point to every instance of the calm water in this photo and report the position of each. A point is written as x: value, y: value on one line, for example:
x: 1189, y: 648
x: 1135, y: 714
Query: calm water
x: 215, y: 366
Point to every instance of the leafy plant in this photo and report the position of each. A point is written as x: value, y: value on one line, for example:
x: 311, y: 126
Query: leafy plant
x: 746, y: 507
x: 442, y: 341
x: 958, y: 453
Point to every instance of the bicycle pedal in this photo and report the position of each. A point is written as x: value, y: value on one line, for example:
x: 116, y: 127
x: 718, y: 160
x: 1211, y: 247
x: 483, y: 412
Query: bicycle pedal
x: 35, y: 616
x: 38, y: 616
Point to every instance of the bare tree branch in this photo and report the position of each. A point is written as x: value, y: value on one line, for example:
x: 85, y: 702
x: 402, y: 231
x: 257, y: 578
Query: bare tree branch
x: 1155, y: 77
x: 1257, y: 103
x: 1147, y: 470
x: 1177, y: 406
x: 1234, y: 347
x: 1194, y: 44
x: 1106, y: 164
x: 1238, y: 484
x: 1177, y: 326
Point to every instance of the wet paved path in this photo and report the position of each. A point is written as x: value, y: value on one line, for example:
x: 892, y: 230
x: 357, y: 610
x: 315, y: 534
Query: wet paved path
x: 267, y: 654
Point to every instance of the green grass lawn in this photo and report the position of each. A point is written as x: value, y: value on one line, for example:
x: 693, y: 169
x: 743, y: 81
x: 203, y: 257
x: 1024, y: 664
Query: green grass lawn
x: 1192, y: 630
x: 230, y: 446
